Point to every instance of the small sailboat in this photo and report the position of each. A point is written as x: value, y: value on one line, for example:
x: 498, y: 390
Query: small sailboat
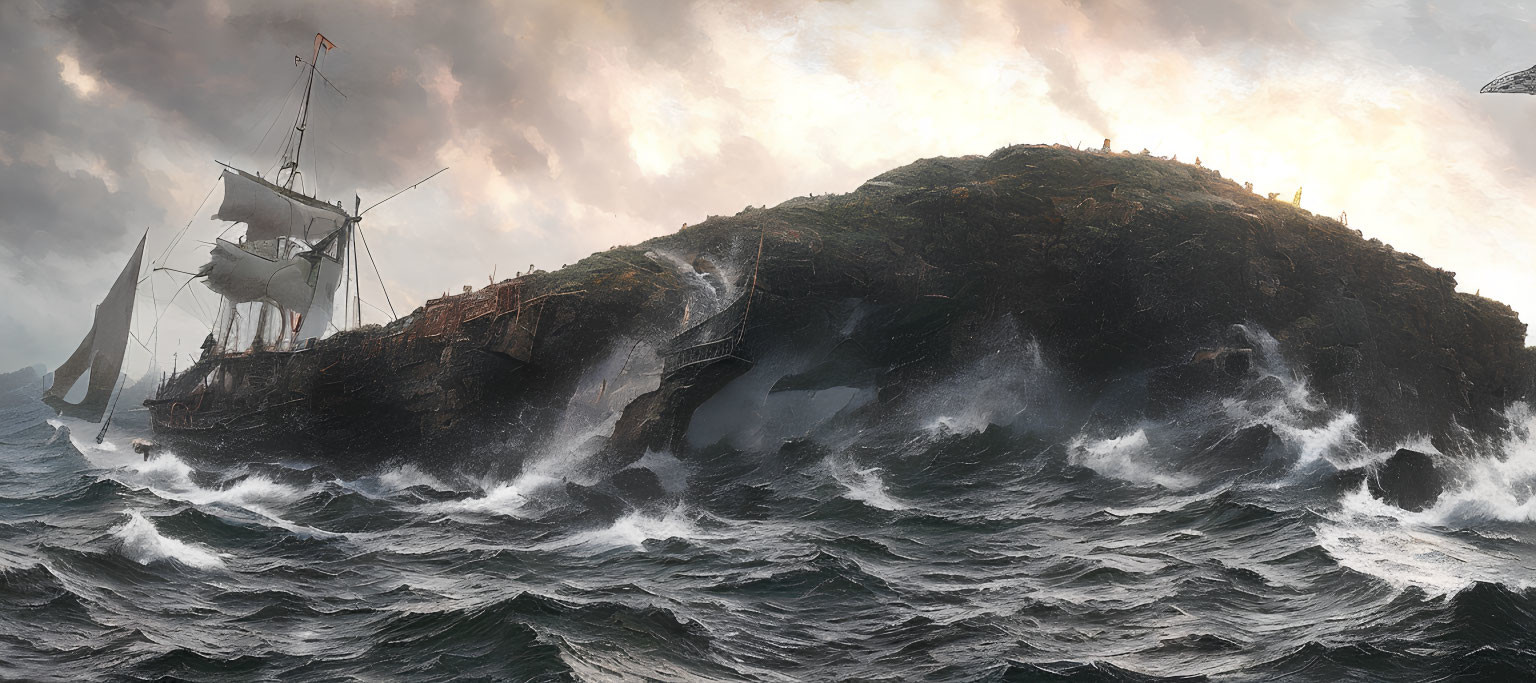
x: 100, y: 355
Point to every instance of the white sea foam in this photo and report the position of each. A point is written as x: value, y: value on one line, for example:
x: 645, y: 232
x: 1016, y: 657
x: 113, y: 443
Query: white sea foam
x: 1335, y: 441
x: 1405, y: 555
x: 1168, y: 504
x: 1404, y: 547
x: 1011, y: 385
x: 168, y: 477
x: 408, y: 476
x: 1121, y: 458
x: 634, y: 529
x: 629, y: 369
x: 141, y: 542
x: 506, y: 499
x: 864, y: 485
x: 1495, y: 486
x: 395, y: 480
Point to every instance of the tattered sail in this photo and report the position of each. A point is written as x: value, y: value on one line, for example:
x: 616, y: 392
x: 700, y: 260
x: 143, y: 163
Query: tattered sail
x: 270, y: 212
x: 101, y: 352
x: 242, y: 276
x: 304, y: 284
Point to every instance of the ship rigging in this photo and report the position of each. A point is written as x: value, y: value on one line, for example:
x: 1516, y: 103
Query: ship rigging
x: 277, y: 281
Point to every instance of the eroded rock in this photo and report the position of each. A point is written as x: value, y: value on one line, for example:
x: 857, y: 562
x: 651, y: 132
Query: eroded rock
x: 1408, y: 480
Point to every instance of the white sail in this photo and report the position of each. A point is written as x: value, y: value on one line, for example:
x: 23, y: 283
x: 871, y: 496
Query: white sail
x: 101, y: 352
x: 304, y: 284
x: 242, y: 276
x: 318, y: 317
x: 270, y: 212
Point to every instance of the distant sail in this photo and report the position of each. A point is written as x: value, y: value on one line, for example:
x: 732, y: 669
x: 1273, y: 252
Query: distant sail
x: 270, y: 212
x: 101, y: 352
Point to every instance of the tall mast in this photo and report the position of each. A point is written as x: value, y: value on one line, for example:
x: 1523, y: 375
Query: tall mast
x: 291, y: 158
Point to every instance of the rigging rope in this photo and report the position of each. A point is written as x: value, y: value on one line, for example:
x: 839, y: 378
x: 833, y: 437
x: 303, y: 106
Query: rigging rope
x: 278, y: 114
x: 177, y: 239
x: 376, y: 272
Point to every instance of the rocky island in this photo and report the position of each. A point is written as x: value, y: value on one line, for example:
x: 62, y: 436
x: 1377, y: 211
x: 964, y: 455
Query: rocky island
x: 1148, y: 282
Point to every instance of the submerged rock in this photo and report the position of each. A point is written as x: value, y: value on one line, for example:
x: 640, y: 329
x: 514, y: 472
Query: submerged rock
x: 638, y: 485
x: 1408, y: 480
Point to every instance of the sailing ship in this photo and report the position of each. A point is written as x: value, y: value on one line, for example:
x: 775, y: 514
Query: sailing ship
x: 277, y: 282
x: 278, y: 368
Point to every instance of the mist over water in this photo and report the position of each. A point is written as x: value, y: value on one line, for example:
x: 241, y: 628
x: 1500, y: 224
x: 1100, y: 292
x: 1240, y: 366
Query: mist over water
x: 977, y: 530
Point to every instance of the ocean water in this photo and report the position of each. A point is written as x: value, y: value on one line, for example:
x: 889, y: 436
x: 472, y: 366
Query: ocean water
x: 979, y: 532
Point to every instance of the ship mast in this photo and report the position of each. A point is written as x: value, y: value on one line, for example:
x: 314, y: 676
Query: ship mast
x: 296, y: 144
x: 290, y: 163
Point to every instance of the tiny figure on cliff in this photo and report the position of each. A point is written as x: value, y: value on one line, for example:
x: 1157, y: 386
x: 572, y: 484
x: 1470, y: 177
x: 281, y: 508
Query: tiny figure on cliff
x: 1105, y: 148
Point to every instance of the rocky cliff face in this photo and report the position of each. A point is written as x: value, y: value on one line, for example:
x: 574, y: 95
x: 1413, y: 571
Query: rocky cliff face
x: 1120, y: 266
x: 1124, y: 264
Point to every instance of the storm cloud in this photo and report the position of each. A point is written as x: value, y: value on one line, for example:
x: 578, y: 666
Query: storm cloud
x: 570, y: 127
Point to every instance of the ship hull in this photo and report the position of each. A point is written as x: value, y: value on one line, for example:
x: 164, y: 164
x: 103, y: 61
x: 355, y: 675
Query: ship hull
x: 404, y: 387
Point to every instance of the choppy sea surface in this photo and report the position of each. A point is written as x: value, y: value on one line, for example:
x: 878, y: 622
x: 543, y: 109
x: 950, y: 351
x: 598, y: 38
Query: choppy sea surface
x: 978, y: 532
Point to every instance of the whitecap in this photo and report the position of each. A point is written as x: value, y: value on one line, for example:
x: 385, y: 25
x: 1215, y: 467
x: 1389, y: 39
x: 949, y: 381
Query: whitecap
x: 1120, y: 458
x: 170, y: 478
x: 395, y: 480
x: 506, y: 499
x: 864, y: 485
x: 141, y: 542
x: 634, y: 529
x: 1406, y: 548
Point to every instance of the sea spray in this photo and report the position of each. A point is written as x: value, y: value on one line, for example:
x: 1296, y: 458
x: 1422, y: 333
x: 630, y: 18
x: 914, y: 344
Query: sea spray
x: 140, y: 541
x: 863, y: 484
x: 635, y: 528
x: 505, y: 499
x: 1124, y: 457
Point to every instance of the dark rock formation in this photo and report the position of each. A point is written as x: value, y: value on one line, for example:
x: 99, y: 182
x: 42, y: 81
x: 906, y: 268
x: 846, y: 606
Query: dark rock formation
x: 1408, y: 480
x: 1252, y: 449
x: 1121, y: 265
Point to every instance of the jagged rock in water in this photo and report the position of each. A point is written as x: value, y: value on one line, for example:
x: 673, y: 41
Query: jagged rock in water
x: 1408, y: 480
x: 596, y: 501
x: 1252, y: 449
x: 638, y: 485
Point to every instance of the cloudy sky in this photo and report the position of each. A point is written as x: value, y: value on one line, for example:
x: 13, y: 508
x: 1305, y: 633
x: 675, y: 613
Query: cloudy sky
x: 571, y: 127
